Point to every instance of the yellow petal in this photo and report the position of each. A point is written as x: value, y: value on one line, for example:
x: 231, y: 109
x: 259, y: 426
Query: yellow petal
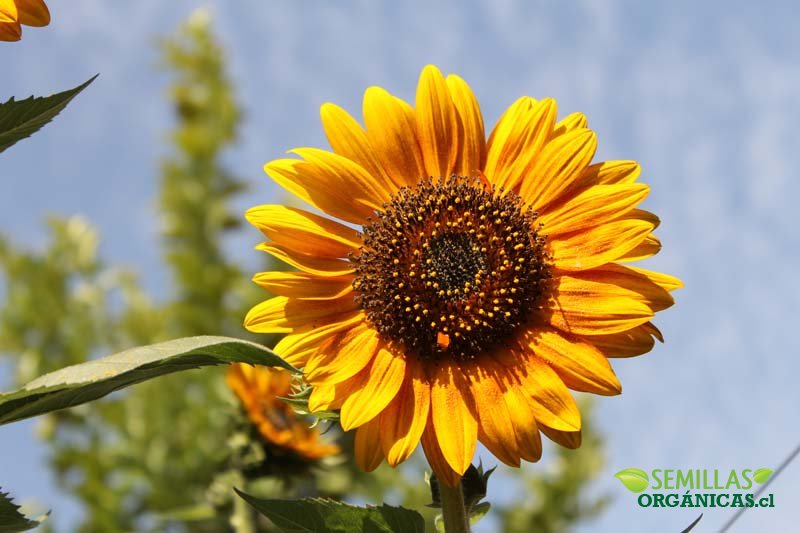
x: 437, y: 124
x: 331, y: 188
x: 10, y: 31
x: 433, y: 453
x: 592, y: 307
x: 550, y: 401
x: 665, y: 281
x: 629, y: 343
x: 33, y: 12
x: 579, y: 364
x: 641, y: 214
x: 343, y: 357
x: 392, y: 133
x: 537, y: 131
x: 605, y: 173
x: 453, y: 415
x: 320, y: 266
x: 331, y: 396
x: 8, y: 11
x: 367, y: 446
x: 237, y: 379
x: 303, y: 231
x: 508, y: 137
x: 404, y: 419
x: 568, y: 439
x: 304, y: 286
x: 473, y: 146
x: 649, y: 247
x: 333, y: 167
x: 598, y: 245
x: 529, y: 442
x: 639, y: 284
x: 322, y: 398
x: 592, y: 207
x: 296, y: 348
x: 348, y: 139
x: 495, y: 427
x: 381, y: 381
x: 573, y: 121
x: 284, y: 315
x: 653, y: 330
x: 557, y: 166
x: 612, y: 172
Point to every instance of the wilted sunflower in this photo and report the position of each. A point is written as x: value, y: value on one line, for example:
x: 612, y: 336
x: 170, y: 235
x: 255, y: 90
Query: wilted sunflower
x: 14, y: 13
x: 260, y: 390
x: 487, y: 278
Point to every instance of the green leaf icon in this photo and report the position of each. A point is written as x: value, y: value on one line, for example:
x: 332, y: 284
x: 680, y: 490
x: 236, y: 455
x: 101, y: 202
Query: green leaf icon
x: 761, y: 475
x: 635, y: 480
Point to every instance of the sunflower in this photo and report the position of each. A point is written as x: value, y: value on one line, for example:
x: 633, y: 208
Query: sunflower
x: 14, y: 13
x: 488, y: 278
x: 260, y: 390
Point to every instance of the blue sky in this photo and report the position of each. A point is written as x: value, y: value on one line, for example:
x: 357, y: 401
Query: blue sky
x: 704, y: 95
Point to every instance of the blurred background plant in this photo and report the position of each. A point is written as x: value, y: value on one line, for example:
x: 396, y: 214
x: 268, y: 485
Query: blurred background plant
x: 165, y: 455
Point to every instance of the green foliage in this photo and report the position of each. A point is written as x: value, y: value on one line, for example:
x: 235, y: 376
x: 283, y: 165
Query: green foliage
x: 78, y: 384
x: 11, y: 520
x: 58, y: 311
x: 139, y: 461
x: 196, y: 190
x: 22, y: 118
x: 69, y: 282
x: 317, y: 515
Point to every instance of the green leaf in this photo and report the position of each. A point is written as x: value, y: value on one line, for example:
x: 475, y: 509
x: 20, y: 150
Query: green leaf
x: 22, y: 118
x: 761, y: 475
x: 317, y: 515
x: 11, y: 520
x: 89, y: 381
x: 478, y: 512
x: 635, y: 480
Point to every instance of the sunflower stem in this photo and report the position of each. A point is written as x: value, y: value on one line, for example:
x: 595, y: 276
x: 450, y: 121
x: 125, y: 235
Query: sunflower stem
x: 243, y: 518
x: 454, y: 511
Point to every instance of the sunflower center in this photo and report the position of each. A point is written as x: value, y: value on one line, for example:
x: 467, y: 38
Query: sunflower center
x: 455, y: 261
x: 450, y: 269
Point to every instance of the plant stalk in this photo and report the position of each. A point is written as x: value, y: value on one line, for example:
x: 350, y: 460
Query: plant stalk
x: 243, y: 519
x: 454, y: 511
